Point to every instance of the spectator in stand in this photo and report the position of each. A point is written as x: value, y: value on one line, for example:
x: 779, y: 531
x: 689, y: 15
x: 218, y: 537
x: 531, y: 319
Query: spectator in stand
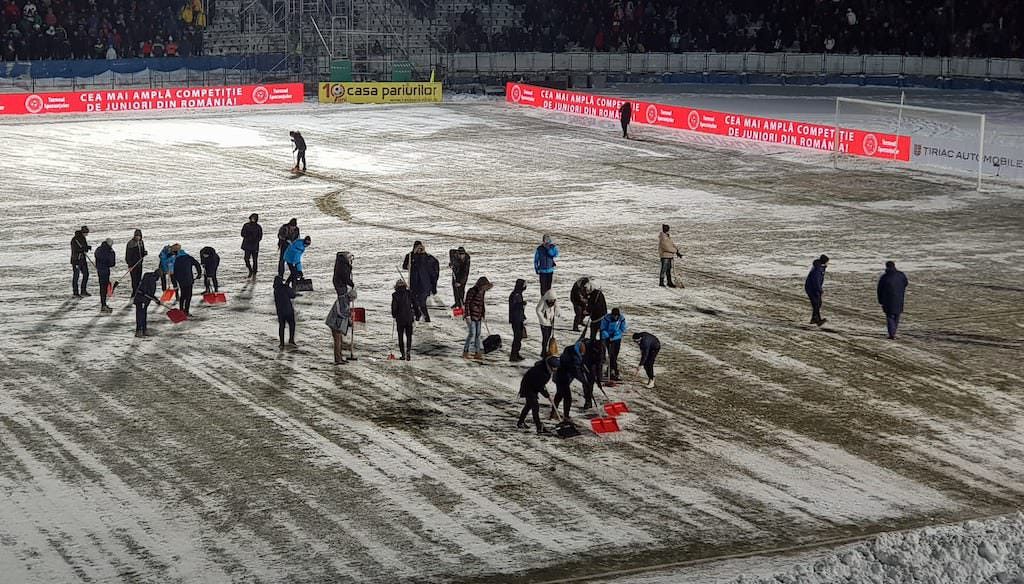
x: 111, y: 53
x: 172, y: 47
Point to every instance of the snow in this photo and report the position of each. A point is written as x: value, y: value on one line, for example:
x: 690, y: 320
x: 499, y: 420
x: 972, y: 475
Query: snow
x: 204, y: 453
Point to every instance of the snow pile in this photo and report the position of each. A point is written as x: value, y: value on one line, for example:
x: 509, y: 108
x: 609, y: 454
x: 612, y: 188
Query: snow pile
x: 975, y: 551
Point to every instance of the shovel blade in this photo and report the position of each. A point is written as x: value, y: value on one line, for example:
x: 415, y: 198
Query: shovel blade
x: 604, y: 425
x: 215, y: 298
x: 110, y: 290
x: 168, y: 295
x: 177, y: 315
x: 458, y: 312
x: 615, y: 408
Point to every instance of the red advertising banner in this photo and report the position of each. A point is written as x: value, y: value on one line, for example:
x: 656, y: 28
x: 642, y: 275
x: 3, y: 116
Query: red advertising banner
x: 768, y: 130
x: 119, y: 100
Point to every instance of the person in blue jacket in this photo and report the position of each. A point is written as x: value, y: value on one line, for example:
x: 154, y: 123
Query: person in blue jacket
x: 283, y: 295
x: 613, y: 326
x: 183, y: 277
x: 106, y: 258
x: 544, y: 263
x: 892, y: 288
x: 649, y: 348
x: 293, y: 258
x: 167, y: 265
x: 814, y: 286
x: 570, y: 366
x: 210, y: 261
x: 143, y: 296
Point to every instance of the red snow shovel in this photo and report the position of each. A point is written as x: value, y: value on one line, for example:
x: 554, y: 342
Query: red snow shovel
x: 168, y: 295
x: 613, y: 408
x: 458, y: 312
x: 177, y: 315
x: 607, y: 423
x: 215, y: 298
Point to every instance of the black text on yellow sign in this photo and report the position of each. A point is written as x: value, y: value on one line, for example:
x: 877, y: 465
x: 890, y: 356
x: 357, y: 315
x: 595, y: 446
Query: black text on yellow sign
x: 373, y: 92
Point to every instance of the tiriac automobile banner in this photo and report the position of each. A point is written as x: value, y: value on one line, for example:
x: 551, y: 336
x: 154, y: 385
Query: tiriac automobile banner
x: 759, y: 129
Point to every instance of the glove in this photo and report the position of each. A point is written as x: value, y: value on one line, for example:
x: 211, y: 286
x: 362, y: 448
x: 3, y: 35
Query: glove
x: 679, y: 255
x: 145, y: 253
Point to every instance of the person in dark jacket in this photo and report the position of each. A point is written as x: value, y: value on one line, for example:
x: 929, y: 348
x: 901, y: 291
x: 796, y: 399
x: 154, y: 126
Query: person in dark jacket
x: 408, y: 256
x: 892, y: 288
x: 183, y: 266
x: 209, y: 259
x: 252, y: 234
x: 283, y: 295
x: 299, y: 148
x: 593, y: 361
x: 649, y: 347
x: 570, y: 367
x: 80, y: 262
x: 578, y: 297
x: 458, y: 261
x: 424, y: 271
x: 402, y: 312
x: 476, y: 312
x: 286, y: 235
x: 814, y: 286
x: 145, y: 293
x: 597, y: 307
x: 517, y: 318
x: 133, y: 254
x: 342, y: 279
x: 625, y: 115
x: 105, y: 260
x: 533, y: 384
x: 544, y: 263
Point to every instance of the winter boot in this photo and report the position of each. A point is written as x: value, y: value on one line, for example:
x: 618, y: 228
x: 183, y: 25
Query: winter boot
x: 587, y: 405
x: 465, y: 355
x: 650, y: 383
x: 520, y: 425
x: 542, y: 431
x: 478, y: 357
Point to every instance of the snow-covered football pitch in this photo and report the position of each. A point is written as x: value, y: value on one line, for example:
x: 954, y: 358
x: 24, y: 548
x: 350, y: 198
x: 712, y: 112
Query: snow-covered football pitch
x: 205, y: 454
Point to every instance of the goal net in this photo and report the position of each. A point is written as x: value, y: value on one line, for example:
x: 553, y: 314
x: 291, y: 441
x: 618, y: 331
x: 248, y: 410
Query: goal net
x: 949, y: 139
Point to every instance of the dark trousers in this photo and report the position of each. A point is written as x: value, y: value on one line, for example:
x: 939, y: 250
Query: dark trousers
x: 280, y: 260
x: 140, y: 316
x: 459, y: 291
x: 625, y: 127
x: 81, y: 268
x: 404, y: 338
x: 815, y: 309
x: 163, y: 281
x: 892, y: 322
x: 136, y: 276
x: 104, y: 282
x: 300, y: 157
x: 517, y: 338
x: 666, y: 272
x: 581, y: 314
x: 185, y: 298
x: 648, y: 362
x: 294, y: 275
x: 251, y: 258
x: 613, y: 356
x: 595, y: 328
x: 545, y: 282
x: 207, y: 277
x: 563, y: 395
x: 545, y: 339
x: 532, y: 405
x: 290, y: 321
x: 419, y: 306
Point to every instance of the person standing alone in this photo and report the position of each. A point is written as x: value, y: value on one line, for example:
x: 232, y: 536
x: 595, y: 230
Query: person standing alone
x: 517, y: 318
x: 300, y: 151
x: 814, y: 286
x: 252, y: 234
x: 625, y: 115
x: 892, y: 288
x: 544, y: 263
x: 667, y: 250
x: 402, y: 312
x: 80, y: 262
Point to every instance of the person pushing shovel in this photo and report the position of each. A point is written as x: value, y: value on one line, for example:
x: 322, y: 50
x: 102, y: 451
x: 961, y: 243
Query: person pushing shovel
x: 144, y: 294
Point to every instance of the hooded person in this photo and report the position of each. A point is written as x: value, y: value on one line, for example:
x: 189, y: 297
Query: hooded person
x: 597, y: 307
x: 476, y: 312
x: 183, y: 266
x: 252, y: 235
x: 892, y: 289
x: 408, y: 256
x: 570, y: 367
x: 342, y: 279
x: 534, y: 383
x: 286, y: 235
x: 144, y: 294
x: 210, y: 260
x: 424, y: 271
x: 649, y: 347
x: 547, y: 312
x: 459, y: 262
x: 293, y: 259
x: 105, y: 260
x: 283, y: 296
x: 613, y: 326
x: 402, y: 312
x: 80, y: 262
x: 517, y: 318
x: 544, y: 262
x: 667, y: 250
x: 814, y: 286
x: 578, y: 298
x: 167, y: 265
x: 339, y: 320
x: 134, y: 251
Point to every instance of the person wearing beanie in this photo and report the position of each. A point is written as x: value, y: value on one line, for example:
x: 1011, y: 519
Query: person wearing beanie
x: 544, y: 262
x: 597, y: 307
x: 571, y: 367
x: 578, y: 297
x: 293, y: 259
x: 283, y: 296
x: 286, y: 235
x: 80, y: 262
x: 252, y: 234
x: 424, y: 270
x: 534, y: 383
x: 547, y: 312
x: 145, y: 293
x: 210, y: 260
x: 667, y: 250
x: 408, y: 256
x: 892, y: 288
x: 105, y: 260
x: 476, y: 312
x: 183, y: 277
x: 134, y: 251
x: 517, y: 318
x: 649, y: 347
x: 167, y: 265
x: 613, y: 326
x: 814, y: 286
x: 402, y: 312
x: 459, y: 261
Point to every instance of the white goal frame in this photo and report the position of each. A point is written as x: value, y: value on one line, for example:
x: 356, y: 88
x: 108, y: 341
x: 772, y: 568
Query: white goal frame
x: 902, y: 107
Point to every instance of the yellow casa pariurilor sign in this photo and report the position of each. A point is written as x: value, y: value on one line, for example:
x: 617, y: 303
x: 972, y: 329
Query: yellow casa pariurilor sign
x: 380, y: 92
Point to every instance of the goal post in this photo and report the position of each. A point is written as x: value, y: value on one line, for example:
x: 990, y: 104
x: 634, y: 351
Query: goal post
x: 949, y: 139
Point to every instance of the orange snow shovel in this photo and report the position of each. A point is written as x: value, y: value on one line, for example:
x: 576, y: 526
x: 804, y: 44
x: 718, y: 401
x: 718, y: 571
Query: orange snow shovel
x: 168, y: 295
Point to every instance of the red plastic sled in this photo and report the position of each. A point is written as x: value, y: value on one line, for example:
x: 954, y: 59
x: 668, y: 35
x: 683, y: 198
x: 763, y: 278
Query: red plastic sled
x: 215, y: 298
x: 177, y: 315
x: 604, y: 425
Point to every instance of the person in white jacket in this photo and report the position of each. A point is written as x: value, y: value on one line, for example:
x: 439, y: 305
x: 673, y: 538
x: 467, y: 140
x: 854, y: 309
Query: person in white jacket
x: 547, y: 312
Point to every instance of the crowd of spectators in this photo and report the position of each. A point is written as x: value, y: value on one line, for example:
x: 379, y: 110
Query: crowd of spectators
x: 963, y: 28
x: 101, y: 29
